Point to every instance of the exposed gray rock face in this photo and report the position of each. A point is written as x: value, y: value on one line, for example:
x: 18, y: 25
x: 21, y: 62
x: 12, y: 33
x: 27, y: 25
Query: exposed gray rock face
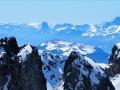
x: 23, y: 68
x: 114, y: 61
x: 81, y: 73
x: 20, y: 67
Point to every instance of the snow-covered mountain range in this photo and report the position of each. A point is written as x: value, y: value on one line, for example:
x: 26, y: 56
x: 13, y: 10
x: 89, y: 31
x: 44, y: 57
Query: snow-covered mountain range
x: 103, y: 35
x: 60, y: 56
x: 64, y: 48
x: 26, y: 68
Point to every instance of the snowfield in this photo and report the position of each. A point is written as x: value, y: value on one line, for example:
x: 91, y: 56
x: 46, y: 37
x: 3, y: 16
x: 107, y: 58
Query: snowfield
x: 116, y: 82
x: 64, y: 48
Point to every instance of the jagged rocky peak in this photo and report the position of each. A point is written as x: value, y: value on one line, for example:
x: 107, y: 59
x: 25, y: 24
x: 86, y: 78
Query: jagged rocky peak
x: 82, y: 73
x: 10, y: 45
x: 114, y: 61
x: 116, y: 21
x: 4, y: 41
x: 20, y: 67
x: 25, y: 51
x: 27, y: 68
x: 31, y: 71
x: 115, y: 56
x: 45, y: 26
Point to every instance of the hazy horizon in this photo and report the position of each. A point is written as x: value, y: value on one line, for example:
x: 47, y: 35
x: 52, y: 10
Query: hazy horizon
x: 65, y: 11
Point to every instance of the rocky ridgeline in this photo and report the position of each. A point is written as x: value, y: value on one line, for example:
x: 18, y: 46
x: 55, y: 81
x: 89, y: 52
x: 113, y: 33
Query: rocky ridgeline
x: 82, y: 73
x: 24, y: 68
x: 114, y: 61
x: 16, y: 72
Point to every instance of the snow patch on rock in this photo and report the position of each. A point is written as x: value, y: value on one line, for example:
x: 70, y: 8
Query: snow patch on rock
x: 116, y: 82
x: 118, y: 45
x: 2, y: 51
x: 103, y: 65
x: 24, y: 52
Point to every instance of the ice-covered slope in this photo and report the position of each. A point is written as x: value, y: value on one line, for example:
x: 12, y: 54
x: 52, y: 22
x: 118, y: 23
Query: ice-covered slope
x: 64, y: 48
x: 57, y: 71
x: 82, y: 73
x: 53, y: 70
x: 116, y: 82
x: 26, y: 67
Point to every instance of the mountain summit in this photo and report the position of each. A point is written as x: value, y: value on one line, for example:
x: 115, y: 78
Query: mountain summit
x: 103, y: 35
x: 27, y: 68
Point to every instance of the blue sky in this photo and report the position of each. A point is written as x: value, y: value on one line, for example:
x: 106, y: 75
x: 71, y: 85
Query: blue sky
x: 58, y: 11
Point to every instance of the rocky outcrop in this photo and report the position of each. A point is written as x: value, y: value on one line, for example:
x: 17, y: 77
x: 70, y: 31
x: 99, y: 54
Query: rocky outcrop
x: 10, y: 45
x: 114, y: 61
x: 81, y: 73
x: 26, y: 68
x: 20, y: 67
x: 31, y: 71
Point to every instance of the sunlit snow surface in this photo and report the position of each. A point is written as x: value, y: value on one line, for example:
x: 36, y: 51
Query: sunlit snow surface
x: 103, y: 35
x: 24, y: 52
x: 64, y: 48
x: 34, y: 25
x: 118, y: 45
x: 53, y: 69
x: 94, y: 72
x: 103, y: 65
x: 2, y: 51
x: 116, y: 82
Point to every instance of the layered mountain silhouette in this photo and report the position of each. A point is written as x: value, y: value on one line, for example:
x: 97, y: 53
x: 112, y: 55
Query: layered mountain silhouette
x: 27, y: 68
x: 103, y: 35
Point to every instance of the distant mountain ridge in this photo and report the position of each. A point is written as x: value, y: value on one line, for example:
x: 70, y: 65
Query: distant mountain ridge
x: 64, y: 48
x: 103, y: 35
